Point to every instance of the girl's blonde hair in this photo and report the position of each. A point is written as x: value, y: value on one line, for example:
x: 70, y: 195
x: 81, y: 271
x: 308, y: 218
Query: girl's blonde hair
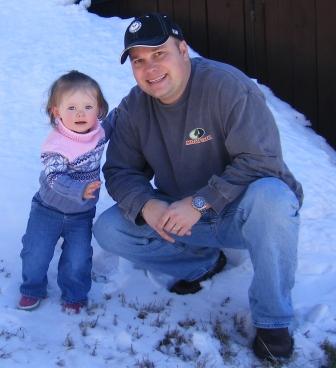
x: 72, y: 81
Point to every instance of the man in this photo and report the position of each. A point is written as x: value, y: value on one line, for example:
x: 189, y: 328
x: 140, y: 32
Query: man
x: 203, y: 131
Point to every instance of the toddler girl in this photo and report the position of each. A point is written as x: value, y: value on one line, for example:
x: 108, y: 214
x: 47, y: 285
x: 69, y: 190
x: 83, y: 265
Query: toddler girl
x: 65, y: 204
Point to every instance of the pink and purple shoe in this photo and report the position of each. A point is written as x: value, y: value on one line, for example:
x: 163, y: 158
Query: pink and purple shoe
x: 28, y: 302
x: 72, y: 308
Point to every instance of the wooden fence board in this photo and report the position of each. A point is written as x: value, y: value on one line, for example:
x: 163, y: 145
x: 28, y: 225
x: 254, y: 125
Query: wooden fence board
x: 124, y: 7
x: 181, y: 15
x: 326, y: 64
x: 256, y: 60
x: 199, y: 27
x: 166, y: 7
x: 106, y: 8
x: 138, y: 7
x: 303, y: 64
x: 279, y: 47
x: 226, y: 31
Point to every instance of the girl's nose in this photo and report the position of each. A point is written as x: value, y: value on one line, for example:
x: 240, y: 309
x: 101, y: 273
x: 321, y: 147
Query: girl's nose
x: 80, y: 112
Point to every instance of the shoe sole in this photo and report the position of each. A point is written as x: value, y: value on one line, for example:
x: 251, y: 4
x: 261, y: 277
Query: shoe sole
x: 29, y: 307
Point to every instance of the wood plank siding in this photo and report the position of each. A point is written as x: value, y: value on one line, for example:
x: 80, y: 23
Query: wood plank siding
x: 288, y: 45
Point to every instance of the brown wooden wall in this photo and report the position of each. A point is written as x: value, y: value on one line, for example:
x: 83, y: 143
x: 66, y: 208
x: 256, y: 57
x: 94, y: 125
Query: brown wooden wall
x: 288, y: 45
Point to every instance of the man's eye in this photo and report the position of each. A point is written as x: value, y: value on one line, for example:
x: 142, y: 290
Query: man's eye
x: 137, y: 61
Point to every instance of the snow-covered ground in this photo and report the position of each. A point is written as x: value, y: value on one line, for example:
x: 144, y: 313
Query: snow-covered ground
x: 131, y: 320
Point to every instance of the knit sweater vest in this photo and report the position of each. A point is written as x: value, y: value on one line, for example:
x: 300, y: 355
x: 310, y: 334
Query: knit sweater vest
x: 71, y: 161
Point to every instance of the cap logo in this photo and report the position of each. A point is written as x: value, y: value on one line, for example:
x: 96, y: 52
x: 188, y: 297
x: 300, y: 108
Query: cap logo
x: 175, y: 31
x: 135, y: 26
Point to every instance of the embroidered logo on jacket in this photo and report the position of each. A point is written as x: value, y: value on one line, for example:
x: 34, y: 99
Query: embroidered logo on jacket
x: 198, y: 135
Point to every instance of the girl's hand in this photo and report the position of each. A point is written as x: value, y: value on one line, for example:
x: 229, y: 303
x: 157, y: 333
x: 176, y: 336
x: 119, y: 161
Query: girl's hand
x: 90, y: 189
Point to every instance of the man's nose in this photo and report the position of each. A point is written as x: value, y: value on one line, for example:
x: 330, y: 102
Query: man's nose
x: 151, y: 65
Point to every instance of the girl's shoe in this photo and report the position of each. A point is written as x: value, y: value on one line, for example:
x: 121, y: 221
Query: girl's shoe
x: 72, y: 308
x: 28, y: 302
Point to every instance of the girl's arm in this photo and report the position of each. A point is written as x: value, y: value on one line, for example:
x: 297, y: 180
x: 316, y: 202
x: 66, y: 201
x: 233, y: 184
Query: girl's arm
x: 57, y: 177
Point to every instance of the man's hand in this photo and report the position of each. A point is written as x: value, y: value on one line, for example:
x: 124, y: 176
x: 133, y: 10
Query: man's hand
x: 152, y: 212
x: 90, y: 189
x: 179, y: 218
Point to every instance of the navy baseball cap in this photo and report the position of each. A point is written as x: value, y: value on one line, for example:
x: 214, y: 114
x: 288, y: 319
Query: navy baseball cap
x: 149, y: 30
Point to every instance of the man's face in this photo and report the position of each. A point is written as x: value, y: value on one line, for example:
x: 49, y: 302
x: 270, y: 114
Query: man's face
x: 163, y: 71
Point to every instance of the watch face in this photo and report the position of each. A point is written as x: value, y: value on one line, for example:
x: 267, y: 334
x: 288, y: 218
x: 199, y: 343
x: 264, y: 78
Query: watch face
x: 199, y: 202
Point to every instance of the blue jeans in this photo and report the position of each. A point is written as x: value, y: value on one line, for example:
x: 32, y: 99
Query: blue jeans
x: 264, y: 220
x: 45, y: 227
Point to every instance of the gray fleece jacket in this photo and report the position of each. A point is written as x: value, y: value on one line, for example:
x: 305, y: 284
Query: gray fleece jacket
x: 217, y: 139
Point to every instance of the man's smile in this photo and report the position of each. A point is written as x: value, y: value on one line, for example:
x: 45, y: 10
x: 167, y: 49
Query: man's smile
x: 158, y: 79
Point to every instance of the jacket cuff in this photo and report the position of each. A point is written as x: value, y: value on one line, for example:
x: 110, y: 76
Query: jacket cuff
x: 214, y: 198
x: 134, y: 214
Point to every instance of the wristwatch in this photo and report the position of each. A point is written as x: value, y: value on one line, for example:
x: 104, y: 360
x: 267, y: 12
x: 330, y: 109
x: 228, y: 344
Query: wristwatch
x: 200, y: 204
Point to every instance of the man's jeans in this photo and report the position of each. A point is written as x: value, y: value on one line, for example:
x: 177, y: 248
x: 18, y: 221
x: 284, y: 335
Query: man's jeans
x: 45, y: 227
x: 264, y: 220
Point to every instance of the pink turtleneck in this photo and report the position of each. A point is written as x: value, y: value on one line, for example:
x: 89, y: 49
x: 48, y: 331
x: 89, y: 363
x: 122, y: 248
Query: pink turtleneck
x: 71, y: 144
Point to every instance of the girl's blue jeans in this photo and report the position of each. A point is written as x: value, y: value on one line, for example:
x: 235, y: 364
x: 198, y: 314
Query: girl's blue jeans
x: 45, y: 227
x: 264, y: 220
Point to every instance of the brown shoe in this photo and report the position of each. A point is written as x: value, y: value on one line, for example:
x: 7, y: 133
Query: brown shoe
x: 272, y: 344
x: 183, y: 287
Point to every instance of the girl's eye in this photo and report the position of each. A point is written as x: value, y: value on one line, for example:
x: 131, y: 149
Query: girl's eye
x: 88, y: 107
x: 71, y: 108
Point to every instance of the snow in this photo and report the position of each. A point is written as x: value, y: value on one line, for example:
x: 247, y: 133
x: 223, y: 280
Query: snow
x: 132, y: 321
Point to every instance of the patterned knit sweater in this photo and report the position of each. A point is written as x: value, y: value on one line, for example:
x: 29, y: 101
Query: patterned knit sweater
x: 71, y: 161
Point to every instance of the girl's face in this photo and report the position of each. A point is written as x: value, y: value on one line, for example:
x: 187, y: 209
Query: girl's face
x: 78, y: 110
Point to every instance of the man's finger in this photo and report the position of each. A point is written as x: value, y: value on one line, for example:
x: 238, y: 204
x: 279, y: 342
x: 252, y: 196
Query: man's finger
x: 184, y: 231
x: 165, y: 236
x: 171, y: 227
x: 176, y: 229
x: 163, y: 221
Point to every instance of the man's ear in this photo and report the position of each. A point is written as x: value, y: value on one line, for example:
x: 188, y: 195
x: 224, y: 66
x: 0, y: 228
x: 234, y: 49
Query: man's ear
x: 183, y: 46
